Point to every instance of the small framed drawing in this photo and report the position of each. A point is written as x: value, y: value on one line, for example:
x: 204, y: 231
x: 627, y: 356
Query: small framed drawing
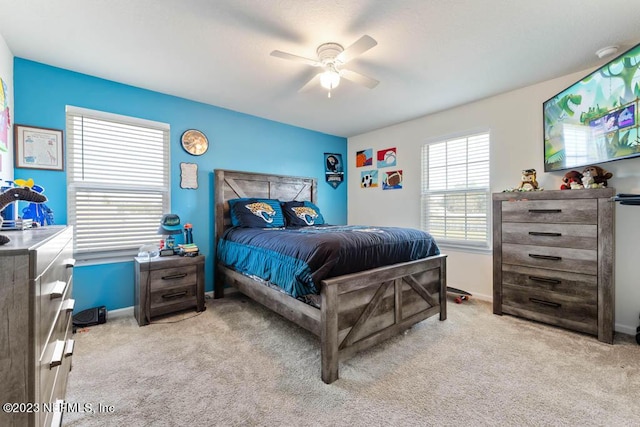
x: 38, y: 148
x: 188, y: 175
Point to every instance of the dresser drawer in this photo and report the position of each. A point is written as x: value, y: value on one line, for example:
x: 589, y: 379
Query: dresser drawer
x: 550, y: 307
x: 53, y: 293
x: 53, y: 357
x: 578, y: 211
x: 579, y: 236
x: 173, y: 277
x: 582, y: 286
x: 172, y: 299
x: 576, y: 260
x: 49, y: 251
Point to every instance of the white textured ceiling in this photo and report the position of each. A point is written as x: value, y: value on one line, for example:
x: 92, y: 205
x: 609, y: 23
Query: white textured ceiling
x: 431, y: 54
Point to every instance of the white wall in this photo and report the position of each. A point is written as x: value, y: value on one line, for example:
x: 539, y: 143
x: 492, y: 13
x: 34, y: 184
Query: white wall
x: 6, y: 73
x: 515, y: 122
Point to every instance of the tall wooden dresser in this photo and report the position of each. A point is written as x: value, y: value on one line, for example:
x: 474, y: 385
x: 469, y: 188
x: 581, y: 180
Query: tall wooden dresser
x: 553, y: 258
x: 36, y: 278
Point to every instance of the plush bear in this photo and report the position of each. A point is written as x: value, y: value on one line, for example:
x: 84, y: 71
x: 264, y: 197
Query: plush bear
x: 570, y: 179
x: 528, y: 182
x: 596, y: 177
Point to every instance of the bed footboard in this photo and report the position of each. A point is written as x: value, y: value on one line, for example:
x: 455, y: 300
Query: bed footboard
x: 363, y: 309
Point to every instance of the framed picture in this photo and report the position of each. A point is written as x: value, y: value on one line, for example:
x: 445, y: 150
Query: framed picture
x: 38, y: 148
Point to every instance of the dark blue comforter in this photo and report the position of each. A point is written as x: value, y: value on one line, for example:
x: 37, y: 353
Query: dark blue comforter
x: 297, y: 259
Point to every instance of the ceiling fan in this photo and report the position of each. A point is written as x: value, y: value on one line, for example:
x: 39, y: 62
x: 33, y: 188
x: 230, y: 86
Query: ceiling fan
x: 331, y: 59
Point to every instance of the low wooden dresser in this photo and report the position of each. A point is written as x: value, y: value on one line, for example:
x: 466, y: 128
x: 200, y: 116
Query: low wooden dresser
x: 553, y: 258
x: 165, y: 285
x: 36, y: 279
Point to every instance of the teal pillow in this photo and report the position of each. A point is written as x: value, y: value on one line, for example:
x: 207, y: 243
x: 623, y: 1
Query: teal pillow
x: 302, y: 214
x: 256, y: 213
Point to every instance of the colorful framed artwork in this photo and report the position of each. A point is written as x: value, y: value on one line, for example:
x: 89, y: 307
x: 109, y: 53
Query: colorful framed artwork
x: 364, y: 158
x: 38, y: 148
x: 387, y: 157
x: 369, y: 179
x: 392, y: 180
x: 5, y: 118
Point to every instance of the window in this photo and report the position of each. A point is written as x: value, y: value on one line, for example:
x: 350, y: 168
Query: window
x: 118, y: 182
x: 456, y: 192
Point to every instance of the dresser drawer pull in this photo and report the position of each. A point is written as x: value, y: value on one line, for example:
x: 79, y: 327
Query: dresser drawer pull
x: 68, y: 349
x: 56, y: 358
x: 174, y: 295
x: 56, y: 419
x: 545, y: 210
x: 69, y: 262
x: 547, y: 303
x: 68, y: 305
x: 174, y: 276
x: 542, y: 233
x: 545, y: 280
x: 58, y: 289
x: 548, y: 257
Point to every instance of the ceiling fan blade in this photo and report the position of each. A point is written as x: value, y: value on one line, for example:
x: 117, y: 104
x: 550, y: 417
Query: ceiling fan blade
x: 292, y: 57
x: 362, y: 45
x: 358, y: 78
x: 315, y: 81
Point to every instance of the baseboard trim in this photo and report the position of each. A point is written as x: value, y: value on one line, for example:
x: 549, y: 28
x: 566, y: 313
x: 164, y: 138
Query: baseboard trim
x: 120, y: 313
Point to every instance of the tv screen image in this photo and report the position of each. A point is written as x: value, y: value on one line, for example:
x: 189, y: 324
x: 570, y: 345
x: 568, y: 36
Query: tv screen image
x: 595, y: 120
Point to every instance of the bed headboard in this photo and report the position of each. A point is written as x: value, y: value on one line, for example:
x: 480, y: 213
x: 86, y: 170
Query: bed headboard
x: 230, y: 184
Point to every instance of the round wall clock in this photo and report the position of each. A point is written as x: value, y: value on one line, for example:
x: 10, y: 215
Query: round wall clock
x: 194, y: 142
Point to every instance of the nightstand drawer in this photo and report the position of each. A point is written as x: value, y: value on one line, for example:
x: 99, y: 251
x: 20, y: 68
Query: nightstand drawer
x: 172, y: 299
x: 576, y: 260
x: 549, y: 307
x: 172, y: 277
x: 578, y: 285
x: 579, y: 211
x: 578, y: 236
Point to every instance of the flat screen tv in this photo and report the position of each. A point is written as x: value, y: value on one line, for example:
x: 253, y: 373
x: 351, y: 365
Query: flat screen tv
x: 595, y: 120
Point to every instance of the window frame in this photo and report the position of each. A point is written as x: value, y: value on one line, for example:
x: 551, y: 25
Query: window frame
x: 73, y: 186
x: 484, y: 246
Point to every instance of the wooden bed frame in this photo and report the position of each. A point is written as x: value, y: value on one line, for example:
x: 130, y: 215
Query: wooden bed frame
x: 357, y: 310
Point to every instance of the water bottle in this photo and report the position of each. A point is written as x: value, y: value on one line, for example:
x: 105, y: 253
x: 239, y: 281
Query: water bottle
x: 188, y: 233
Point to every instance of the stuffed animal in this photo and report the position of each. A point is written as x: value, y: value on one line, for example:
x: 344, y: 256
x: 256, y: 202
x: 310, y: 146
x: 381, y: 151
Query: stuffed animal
x: 18, y: 193
x: 570, y: 179
x: 528, y: 182
x: 596, y: 177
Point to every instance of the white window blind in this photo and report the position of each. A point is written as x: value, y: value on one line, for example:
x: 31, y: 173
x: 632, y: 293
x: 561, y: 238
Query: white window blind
x: 455, y: 190
x: 118, y: 181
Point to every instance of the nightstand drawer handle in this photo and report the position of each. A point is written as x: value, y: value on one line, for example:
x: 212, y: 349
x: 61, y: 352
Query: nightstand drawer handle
x: 56, y: 357
x: 58, y: 289
x: 174, y: 295
x: 541, y: 233
x: 547, y: 303
x: 545, y: 210
x: 548, y: 257
x: 545, y: 280
x: 174, y: 276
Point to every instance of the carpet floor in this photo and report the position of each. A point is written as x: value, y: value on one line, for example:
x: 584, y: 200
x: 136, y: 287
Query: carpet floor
x: 237, y: 363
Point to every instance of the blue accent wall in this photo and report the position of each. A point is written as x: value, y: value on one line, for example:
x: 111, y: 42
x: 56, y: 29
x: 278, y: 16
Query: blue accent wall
x: 236, y: 141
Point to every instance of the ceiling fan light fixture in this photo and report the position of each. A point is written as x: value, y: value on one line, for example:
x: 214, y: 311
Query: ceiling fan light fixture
x: 330, y: 79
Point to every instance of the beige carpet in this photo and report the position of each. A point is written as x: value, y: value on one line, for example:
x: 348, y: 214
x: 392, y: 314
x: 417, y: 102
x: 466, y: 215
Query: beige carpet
x: 239, y: 364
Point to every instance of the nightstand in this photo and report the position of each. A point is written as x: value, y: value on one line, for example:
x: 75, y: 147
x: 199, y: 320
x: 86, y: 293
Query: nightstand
x: 167, y: 284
